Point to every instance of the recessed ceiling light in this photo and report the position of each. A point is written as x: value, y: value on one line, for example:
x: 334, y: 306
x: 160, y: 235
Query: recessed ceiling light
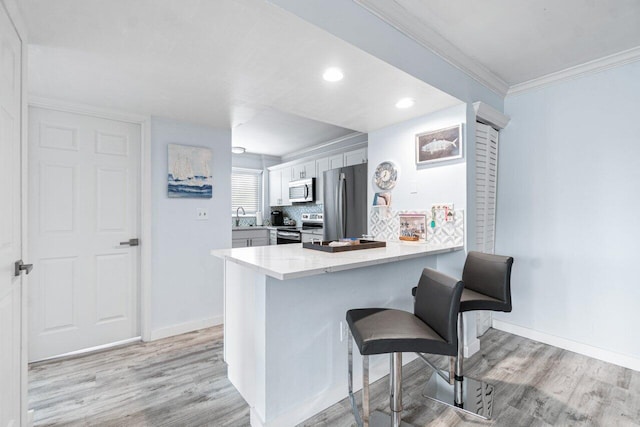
x: 333, y: 74
x: 238, y: 150
x: 405, y: 103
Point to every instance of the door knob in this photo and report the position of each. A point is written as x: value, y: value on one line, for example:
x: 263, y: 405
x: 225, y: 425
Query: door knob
x: 131, y: 242
x: 21, y: 266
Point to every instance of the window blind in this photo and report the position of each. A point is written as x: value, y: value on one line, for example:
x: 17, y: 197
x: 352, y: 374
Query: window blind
x: 246, y: 190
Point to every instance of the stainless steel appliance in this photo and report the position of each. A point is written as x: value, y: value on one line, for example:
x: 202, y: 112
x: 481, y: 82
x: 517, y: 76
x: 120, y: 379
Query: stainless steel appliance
x: 288, y: 235
x: 302, y: 190
x: 345, y: 202
x: 312, y: 226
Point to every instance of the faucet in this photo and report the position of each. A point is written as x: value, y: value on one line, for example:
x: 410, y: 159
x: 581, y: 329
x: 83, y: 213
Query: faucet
x: 238, y: 215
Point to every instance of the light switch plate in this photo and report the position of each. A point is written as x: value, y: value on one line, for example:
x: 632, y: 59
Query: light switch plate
x: 202, y: 214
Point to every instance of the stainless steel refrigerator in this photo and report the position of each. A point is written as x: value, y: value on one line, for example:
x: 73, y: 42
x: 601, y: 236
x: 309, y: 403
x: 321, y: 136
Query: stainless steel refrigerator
x: 345, y: 202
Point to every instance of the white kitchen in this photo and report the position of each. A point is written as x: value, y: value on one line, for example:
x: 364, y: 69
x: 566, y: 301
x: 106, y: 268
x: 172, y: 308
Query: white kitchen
x: 145, y: 289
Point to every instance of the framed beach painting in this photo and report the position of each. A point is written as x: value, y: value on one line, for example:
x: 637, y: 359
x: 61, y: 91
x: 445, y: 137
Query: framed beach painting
x: 189, y: 172
x: 439, y: 145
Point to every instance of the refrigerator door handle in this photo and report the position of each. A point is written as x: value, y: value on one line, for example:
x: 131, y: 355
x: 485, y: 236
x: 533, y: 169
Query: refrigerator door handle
x: 342, y: 218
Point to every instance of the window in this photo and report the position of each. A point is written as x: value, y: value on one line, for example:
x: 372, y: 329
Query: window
x: 246, y: 190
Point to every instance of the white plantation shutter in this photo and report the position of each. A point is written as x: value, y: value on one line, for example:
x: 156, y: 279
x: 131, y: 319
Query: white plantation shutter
x: 246, y: 190
x: 486, y: 186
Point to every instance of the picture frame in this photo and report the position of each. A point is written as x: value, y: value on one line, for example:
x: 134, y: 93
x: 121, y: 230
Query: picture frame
x: 439, y: 145
x: 189, y: 172
x: 413, y: 227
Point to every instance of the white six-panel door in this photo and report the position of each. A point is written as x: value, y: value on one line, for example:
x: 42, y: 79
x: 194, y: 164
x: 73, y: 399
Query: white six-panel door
x: 11, y: 367
x: 83, y: 201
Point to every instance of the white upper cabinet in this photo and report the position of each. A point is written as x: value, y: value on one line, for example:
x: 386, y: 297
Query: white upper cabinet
x: 280, y: 177
x: 275, y: 188
x: 321, y: 166
x: 336, y: 161
x: 355, y: 157
x: 304, y: 170
x: 287, y: 175
x: 279, y: 187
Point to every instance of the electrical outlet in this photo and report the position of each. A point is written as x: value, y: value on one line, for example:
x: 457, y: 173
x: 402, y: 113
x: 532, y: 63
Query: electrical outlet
x: 202, y: 214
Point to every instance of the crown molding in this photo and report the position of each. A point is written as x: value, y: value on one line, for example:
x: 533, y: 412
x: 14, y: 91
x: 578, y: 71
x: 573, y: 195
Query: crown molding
x: 597, y: 65
x: 487, y: 114
x: 405, y: 22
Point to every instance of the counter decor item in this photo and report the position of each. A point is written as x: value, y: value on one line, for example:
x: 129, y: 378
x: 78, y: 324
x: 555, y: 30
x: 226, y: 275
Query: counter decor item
x: 386, y: 175
x: 413, y: 227
x: 382, y: 199
x: 343, y: 245
x: 439, y: 145
x: 189, y: 172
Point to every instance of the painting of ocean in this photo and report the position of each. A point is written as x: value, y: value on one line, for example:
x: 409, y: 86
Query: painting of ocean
x: 189, y: 172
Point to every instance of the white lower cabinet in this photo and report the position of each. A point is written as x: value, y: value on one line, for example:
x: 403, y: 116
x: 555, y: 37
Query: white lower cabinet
x: 273, y: 237
x: 248, y: 238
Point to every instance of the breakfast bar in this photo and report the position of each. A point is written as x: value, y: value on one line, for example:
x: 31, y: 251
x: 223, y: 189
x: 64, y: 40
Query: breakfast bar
x: 284, y: 329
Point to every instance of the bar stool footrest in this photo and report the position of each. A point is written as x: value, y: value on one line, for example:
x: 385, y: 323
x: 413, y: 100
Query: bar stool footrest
x: 477, y: 397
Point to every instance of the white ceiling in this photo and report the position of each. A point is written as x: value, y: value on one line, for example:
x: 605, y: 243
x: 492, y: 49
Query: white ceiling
x: 222, y: 63
x: 517, y: 40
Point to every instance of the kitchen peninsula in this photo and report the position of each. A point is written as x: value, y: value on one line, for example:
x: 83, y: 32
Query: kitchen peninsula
x: 285, y: 335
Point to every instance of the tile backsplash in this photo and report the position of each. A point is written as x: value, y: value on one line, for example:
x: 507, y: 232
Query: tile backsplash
x: 384, y: 224
x: 295, y: 211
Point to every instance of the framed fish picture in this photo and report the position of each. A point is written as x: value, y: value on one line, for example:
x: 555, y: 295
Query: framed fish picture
x: 189, y: 172
x: 439, y: 145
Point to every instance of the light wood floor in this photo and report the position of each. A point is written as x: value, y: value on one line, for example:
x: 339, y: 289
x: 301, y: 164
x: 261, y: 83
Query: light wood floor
x: 181, y: 381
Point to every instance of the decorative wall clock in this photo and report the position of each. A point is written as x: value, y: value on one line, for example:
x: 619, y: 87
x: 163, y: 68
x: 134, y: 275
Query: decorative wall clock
x: 386, y: 175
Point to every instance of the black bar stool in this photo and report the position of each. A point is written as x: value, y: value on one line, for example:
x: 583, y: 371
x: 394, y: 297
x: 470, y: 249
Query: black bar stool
x: 487, y: 286
x: 431, y: 328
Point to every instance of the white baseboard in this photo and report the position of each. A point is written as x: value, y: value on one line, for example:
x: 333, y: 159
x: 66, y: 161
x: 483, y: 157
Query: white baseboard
x: 580, y: 348
x: 471, y: 348
x: 183, y: 328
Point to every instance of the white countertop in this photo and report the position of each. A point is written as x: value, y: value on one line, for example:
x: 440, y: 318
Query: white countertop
x: 293, y: 261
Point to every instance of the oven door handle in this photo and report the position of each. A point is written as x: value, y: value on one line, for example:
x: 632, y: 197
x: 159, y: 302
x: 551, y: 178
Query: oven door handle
x: 287, y: 234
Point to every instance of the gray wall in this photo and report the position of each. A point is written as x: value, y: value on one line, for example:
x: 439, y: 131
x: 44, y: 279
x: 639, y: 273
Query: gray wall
x: 187, y: 285
x: 568, y: 210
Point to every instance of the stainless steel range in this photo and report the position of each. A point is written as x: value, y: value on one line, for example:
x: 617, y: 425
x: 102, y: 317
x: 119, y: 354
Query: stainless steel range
x: 312, y: 226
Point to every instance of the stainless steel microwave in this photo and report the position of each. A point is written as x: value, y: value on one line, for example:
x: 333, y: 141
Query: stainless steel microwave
x: 302, y: 190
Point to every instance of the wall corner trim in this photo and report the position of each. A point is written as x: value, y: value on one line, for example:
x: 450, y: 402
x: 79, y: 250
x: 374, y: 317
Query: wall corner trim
x: 487, y: 114
x: 619, y: 359
x: 183, y: 328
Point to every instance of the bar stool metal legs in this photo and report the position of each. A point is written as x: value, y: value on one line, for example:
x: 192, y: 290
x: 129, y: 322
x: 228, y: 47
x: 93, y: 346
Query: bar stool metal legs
x: 377, y: 419
x: 467, y: 394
